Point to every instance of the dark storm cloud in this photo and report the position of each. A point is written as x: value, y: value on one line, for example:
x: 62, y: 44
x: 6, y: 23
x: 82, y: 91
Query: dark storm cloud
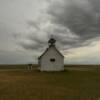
x: 82, y: 22
x: 74, y: 23
x: 96, y: 5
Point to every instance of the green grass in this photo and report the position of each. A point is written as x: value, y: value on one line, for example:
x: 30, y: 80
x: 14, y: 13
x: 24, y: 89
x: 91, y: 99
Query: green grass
x: 35, y: 85
x: 18, y: 66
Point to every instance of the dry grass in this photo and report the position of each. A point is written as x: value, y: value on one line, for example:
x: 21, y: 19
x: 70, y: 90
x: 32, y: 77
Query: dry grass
x: 34, y: 85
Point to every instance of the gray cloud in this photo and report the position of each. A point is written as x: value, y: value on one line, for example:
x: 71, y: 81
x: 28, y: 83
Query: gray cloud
x: 81, y: 22
x: 73, y: 23
x: 33, y: 24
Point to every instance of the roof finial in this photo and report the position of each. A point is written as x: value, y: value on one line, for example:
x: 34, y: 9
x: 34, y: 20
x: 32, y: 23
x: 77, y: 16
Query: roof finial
x: 52, y: 41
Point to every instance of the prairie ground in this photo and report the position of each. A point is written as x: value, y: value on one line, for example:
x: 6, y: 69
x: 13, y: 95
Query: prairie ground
x: 35, y: 85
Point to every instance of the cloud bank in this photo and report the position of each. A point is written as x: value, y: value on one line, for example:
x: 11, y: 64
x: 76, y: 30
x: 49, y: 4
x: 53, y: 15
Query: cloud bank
x: 26, y: 26
x: 73, y: 23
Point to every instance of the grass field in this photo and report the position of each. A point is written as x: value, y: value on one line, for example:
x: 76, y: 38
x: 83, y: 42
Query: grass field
x: 35, y: 85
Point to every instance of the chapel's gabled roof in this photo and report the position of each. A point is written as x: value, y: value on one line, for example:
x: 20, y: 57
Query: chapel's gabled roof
x: 47, y: 51
x: 51, y: 43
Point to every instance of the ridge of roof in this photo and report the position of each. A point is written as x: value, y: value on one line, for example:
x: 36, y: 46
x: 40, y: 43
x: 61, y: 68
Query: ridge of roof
x: 48, y: 49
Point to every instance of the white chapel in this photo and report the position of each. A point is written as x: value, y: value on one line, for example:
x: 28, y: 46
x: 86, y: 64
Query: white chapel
x: 51, y: 59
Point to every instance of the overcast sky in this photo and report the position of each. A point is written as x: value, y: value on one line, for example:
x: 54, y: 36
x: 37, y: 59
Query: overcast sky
x: 26, y: 26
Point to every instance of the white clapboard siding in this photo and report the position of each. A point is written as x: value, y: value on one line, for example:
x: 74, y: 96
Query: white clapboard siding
x: 45, y: 61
